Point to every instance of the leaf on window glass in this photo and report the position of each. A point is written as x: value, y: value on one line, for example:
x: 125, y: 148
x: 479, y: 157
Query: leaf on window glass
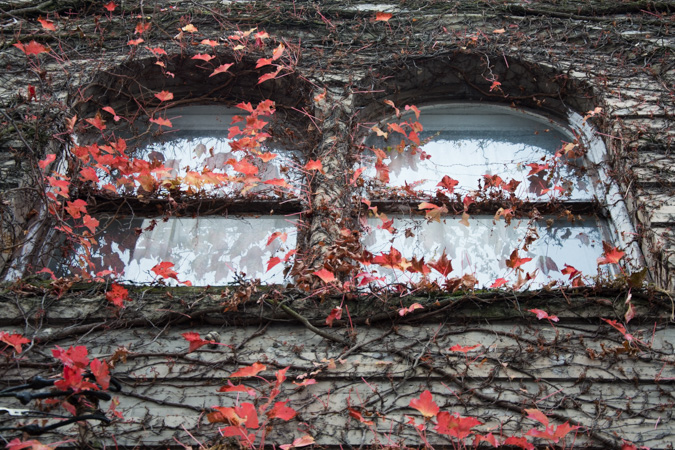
x: 514, y: 261
x: 443, y: 265
x: 612, y: 254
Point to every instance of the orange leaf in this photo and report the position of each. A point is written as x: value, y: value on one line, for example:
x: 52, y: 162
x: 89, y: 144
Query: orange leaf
x: 110, y: 6
x: 47, y: 24
x: 515, y: 262
x: 203, y: 57
x: 249, y: 371
x: 32, y: 48
x: 96, y: 122
x: 142, y: 27
x: 448, y: 183
x: 425, y: 404
x: 537, y: 415
x: 383, y: 16
x: 135, y: 41
x: 209, y: 42
x: 499, y: 282
x: 189, y: 28
x: 90, y: 223
x: 325, y: 275
x: 459, y: 348
x: 314, y: 165
x: 443, y: 265
x: 269, y: 76
x: 165, y: 270
x: 162, y: 122
x: 404, y: 311
x: 303, y: 441
x: 47, y: 161
x: 612, y: 254
x: 221, y: 69
x: 164, y: 96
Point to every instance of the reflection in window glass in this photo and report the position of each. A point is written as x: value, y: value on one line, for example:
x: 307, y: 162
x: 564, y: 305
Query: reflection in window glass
x: 204, y: 251
x: 483, y: 248
x: 467, y: 142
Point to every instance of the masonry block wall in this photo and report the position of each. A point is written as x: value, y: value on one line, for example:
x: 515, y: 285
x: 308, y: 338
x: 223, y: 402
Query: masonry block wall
x: 611, y: 63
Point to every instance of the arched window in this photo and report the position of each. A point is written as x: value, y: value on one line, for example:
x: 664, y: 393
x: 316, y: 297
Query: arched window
x: 202, y: 192
x: 507, y: 195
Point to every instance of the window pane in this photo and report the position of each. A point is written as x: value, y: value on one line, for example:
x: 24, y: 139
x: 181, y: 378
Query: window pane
x: 483, y: 247
x: 467, y: 142
x: 204, y: 251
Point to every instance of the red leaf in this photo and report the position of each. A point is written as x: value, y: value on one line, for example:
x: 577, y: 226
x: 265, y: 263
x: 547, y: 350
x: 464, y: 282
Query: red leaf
x: 612, y: 254
x: 162, y: 122
x: 269, y: 76
x: 237, y: 388
x: 335, y: 314
x: 76, y: 208
x: 425, y: 404
x: 281, y: 411
x: 307, y: 382
x: 96, y: 122
x: 101, y: 372
x: 314, y: 165
x: 211, y: 43
x: 543, y: 315
x: 110, y: 7
x: 221, y: 69
x: 273, y: 261
x: 142, y: 27
x: 248, y: 413
x: 303, y: 441
x: 203, y: 57
x: 89, y: 174
x: 117, y: 295
x: 164, y: 270
x: 13, y: 340
x: 620, y: 328
x: 537, y: 415
x: 403, y: 311
x: 448, y: 183
x: 518, y: 442
x: 443, y: 265
x: 32, y: 48
x: 47, y: 24
x: 459, y: 348
x: 383, y: 17
x: 455, y: 425
x: 109, y: 109
x: 136, y: 41
x: 195, y: 341
x: 164, y: 96
x: 358, y: 416
x: 47, y: 161
x: 277, y: 182
x: 73, y: 357
x: 514, y: 261
x: 392, y: 259
x: 499, y: 282
x: 326, y: 275
x: 276, y: 54
x: 243, y: 166
x: 249, y: 371
x: 277, y: 234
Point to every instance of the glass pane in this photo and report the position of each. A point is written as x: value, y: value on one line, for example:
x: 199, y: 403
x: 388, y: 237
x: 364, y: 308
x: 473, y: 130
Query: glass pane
x: 204, y: 251
x: 482, y: 248
x: 197, y: 142
x: 467, y: 142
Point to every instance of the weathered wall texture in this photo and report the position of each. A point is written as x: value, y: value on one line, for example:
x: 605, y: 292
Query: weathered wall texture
x: 551, y: 57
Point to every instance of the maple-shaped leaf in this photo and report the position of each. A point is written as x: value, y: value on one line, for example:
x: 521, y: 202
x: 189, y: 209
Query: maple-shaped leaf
x: 249, y: 371
x: 89, y: 174
x: 393, y: 259
x: 47, y: 24
x: 76, y: 208
x: 165, y: 270
x: 32, y: 48
x: 266, y: 157
x: 281, y: 411
x: 612, y: 255
x: 162, y: 122
x: 433, y: 212
x: 142, y: 27
x: 117, y: 295
x: 101, y: 372
x: 536, y: 168
x: 303, y: 441
x: 562, y: 430
x: 455, y: 425
x: 273, y: 261
x: 335, y: 314
x: 164, y: 96
x: 543, y: 315
x: 111, y: 111
x: 620, y: 328
x: 97, y: 122
x: 443, y: 265
x: 459, y: 348
x: 489, y: 438
x: 14, y: 340
x: 326, y: 275
x: 314, y: 165
x: 514, y: 262
x: 425, y: 404
x: 448, y: 184
x: 195, y: 341
x: 243, y: 166
x: 110, y: 6
x: 73, y: 357
x: 404, y: 311
x: 203, y: 57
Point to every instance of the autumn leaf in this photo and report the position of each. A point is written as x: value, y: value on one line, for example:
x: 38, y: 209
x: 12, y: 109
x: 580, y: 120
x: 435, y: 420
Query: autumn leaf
x: 314, y: 165
x: 189, y: 28
x: 76, y: 208
x: 164, y: 96
x: 32, y: 48
x: 269, y: 76
x: 425, y: 404
x: 620, y: 328
x: 73, y: 357
x: 47, y: 24
x: 266, y: 157
x: 433, y: 212
x: 335, y: 314
x: 499, y: 31
x: 110, y: 6
x: 135, y: 42
x: 443, y: 265
x: 414, y: 109
x: 203, y: 57
x: 518, y: 441
x: 112, y: 112
x: 303, y: 441
x: 393, y: 259
x: 101, y: 372
x: 96, y: 122
x: 165, y: 270
x: 162, y: 122
x: 142, y: 27
x: 462, y: 349
x: 537, y: 415
x: 237, y: 388
x: 404, y: 311
x: 278, y: 182
x: 13, y: 340
x: 281, y: 411
x: 243, y: 166
x: 499, y: 282
x: 358, y: 416
x: 514, y: 262
x: 277, y: 234
x: 448, y: 184
x: 117, y: 295
x: 249, y: 371
x: 273, y: 261
x: 307, y: 382
x: 456, y: 425
x: 543, y: 315
x: 221, y: 69
x: 612, y: 255
x: 211, y: 43
x: 195, y: 341
x: 383, y: 16
x: 47, y: 161
x: 89, y: 174
x: 325, y: 275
